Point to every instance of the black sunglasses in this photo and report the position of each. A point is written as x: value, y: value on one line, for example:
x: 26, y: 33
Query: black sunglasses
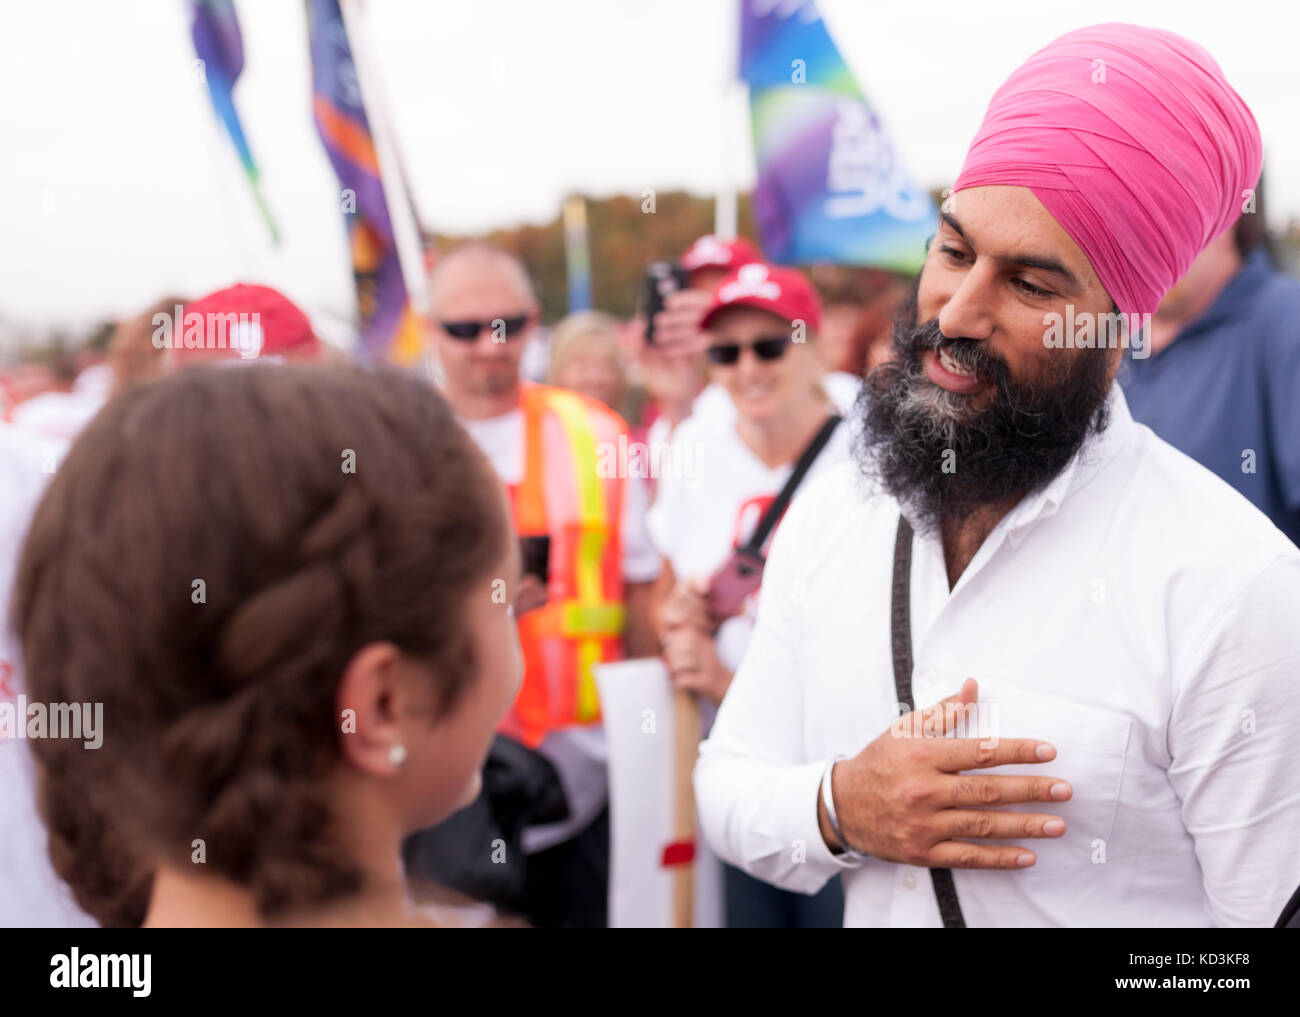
x: 468, y: 331
x: 726, y: 354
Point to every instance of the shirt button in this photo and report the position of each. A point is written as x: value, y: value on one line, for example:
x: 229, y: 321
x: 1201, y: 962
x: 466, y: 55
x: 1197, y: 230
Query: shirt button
x: 909, y: 882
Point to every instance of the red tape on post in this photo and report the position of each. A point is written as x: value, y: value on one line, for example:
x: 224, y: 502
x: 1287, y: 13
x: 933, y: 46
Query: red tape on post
x: 681, y: 852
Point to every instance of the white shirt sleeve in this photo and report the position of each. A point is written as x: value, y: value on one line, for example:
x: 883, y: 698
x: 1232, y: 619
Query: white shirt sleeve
x: 641, y: 561
x: 755, y: 787
x: 1231, y: 742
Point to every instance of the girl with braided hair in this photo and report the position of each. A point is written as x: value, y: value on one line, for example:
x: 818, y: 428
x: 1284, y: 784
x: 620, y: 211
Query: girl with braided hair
x: 288, y: 587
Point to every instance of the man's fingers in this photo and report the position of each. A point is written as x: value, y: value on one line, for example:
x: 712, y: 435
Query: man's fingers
x: 974, y: 753
x: 679, y: 322
x: 690, y: 599
x: 998, y: 825
x: 676, y: 651
x: 677, y: 325
x: 940, y: 718
x: 689, y: 302
x: 685, y: 607
x: 956, y: 854
x: 681, y: 607
x: 671, y: 614
x: 966, y: 789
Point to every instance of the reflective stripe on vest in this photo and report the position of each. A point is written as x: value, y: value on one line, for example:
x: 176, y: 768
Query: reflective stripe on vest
x: 588, y: 621
x: 591, y: 513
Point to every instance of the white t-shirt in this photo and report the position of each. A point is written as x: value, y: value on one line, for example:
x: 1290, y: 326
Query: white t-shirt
x: 718, y: 490
x: 30, y: 893
x: 577, y: 753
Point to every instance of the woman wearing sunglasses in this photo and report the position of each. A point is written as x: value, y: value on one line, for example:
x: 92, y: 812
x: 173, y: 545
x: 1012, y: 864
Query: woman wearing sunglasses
x: 762, y: 326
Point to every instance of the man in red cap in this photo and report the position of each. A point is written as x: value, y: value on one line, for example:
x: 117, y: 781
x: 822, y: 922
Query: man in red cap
x: 243, y: 321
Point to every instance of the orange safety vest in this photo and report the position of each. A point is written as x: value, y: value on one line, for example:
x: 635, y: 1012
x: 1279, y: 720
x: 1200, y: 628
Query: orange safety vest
x: 562, y: 495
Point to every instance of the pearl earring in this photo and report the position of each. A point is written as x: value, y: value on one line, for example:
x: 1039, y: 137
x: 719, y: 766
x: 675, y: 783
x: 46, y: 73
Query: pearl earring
x: 397, y: 753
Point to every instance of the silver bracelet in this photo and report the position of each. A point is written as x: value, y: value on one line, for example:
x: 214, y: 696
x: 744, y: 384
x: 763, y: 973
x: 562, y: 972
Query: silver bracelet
x: 829, y: 801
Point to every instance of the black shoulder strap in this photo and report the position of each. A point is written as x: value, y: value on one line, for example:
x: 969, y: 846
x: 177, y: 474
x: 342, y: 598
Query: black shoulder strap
x: 900, y: 621
x: 801, y: 468
x: 1290, y: 916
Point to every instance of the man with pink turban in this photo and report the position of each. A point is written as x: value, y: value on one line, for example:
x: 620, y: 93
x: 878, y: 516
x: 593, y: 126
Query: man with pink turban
x: 1103, y: 629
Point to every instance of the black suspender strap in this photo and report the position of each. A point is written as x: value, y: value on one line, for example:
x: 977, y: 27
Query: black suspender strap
x: 901, y: 640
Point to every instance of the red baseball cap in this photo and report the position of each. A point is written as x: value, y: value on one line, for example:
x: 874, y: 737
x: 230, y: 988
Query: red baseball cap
x: 785, y: 292
x: 710, y: 252
x: 266, y: 324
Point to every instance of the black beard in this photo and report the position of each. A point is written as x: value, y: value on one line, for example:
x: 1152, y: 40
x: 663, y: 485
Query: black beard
x: 1016, y: 445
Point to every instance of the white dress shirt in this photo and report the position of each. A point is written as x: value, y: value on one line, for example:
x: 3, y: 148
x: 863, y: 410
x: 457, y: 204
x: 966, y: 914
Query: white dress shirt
x: 1137, y: 612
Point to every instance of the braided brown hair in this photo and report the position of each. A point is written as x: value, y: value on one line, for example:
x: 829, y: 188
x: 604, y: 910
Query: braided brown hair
x: 219, y: 712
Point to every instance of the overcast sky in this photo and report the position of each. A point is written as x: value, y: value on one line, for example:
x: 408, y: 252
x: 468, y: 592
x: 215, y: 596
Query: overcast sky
x: 117, y: 186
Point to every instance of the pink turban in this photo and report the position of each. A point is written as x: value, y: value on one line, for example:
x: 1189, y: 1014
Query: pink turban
x: 1133, y: 141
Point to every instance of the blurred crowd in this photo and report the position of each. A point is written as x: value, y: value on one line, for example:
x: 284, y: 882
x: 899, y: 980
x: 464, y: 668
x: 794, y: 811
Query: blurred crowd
x: 729, y: 392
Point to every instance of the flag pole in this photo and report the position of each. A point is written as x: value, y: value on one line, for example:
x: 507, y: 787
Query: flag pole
x: 686, y: 742
x: 577, y: 252
x: 725, y: 201
x: 724, y: 204
x: 406, y: 231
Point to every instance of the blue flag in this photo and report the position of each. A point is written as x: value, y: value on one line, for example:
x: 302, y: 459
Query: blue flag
x: 220, y: 46
x: 830, y: 187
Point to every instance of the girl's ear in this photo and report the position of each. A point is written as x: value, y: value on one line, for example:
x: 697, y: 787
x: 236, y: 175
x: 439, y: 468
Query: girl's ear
x: 369, y: 705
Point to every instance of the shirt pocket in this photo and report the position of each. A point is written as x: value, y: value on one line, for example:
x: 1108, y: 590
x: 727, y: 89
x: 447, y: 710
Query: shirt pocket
x: 1091, y: 750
